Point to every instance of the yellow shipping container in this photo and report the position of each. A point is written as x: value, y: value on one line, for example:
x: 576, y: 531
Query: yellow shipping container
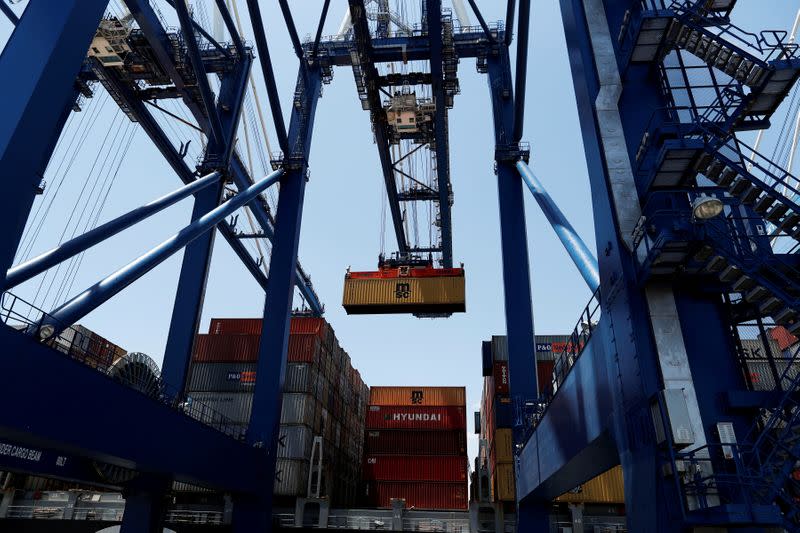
x: 503, y: 482
x: 440, y: 294
x: 503, y: 445
x: 608, y: 487
x: 431, y: 396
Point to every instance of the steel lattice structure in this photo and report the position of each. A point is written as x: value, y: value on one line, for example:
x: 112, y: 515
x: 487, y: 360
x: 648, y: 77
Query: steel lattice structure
x: 660, y: 145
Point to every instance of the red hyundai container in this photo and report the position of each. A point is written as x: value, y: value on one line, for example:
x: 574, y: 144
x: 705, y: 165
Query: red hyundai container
x: 226, y: 348
x: 414, y: 417
x: 435, y: 496
x: 252, y: 326
x: 415, y: 468
x: 405, y: 442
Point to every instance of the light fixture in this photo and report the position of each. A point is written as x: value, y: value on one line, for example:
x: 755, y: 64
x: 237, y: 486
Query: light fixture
x: 705, y: 207
x: 46, y: 331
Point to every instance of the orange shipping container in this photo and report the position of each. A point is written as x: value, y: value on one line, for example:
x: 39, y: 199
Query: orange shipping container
x: 376, y: 295
x: 503, y: 445
x: 430, y: 396
x: 608, y: 487
x: 503, y: 482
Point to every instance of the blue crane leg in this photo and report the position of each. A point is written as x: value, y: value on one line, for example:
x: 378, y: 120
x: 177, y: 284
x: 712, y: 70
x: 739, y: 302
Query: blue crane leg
x: 145, y: 505
x: 43, y: 56
x: 522, y: 67
x: 190, y: 295
x: 33, y: 267
x: 254, y: 514
x: 516, y: 272
x: 191, y: 291
x: 193, y: 50
x: 576, y: 248
x: 434, y: 8
x: 85, y: 302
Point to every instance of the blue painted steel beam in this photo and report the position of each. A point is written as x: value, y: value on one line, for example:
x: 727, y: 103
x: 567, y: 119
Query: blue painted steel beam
x: 434, y: 10
x: 207, y: 36
x: 521, y: 74
x: 156, y: 35
x: 255, y: 514
x: 322, y: 17
x: 514, y: 242
x: 264, y: 218
x: 175, y: 160
x: 366, y: 51
x: 234, y: 33
x: 193, y: 50
x: 43, y: 55
x: 6, y: 9
x: 393, y: 49
x: 82, y: 304
x: 33, y: 267
x: 130, y: 419
x: 481, y: 21
x: 196, y: 263
x: 269, y: 73
x: 509, y: 22
x: 584, y: 260
x: 287, y: 17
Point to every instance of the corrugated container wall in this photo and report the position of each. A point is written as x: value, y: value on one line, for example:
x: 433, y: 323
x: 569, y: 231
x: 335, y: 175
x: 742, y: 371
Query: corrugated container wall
x: 417, y: 396
x: 496, y: 411
x: 416, y: 447
x: 323, y: 396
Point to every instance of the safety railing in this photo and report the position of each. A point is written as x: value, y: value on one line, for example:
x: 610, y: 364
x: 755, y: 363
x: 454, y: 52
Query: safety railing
x: 729, y: 236
x: 108, y: 514
x: 92, y: 352
x: 573, y: 349
x: 766, y: 45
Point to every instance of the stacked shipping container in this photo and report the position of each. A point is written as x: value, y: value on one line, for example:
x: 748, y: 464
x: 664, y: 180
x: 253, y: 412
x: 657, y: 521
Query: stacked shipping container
x: 496, y: 418
x: 416, y: 447
x: 323, y: 395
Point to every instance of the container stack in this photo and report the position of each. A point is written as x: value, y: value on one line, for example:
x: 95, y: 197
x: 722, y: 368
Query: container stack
x: 323, y: 396
x: 87, y: 346
x: 416, y: 447
x: 496, y: 420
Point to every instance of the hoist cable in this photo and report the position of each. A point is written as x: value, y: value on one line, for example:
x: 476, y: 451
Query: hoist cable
x: 81, y: 201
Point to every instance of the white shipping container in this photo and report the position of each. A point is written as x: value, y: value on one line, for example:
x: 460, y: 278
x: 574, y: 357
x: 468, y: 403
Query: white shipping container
x: 295, y: 442
x: 499, y: 348
x: 291, y: 477
x: 235, y: 406
x: 298, y: 409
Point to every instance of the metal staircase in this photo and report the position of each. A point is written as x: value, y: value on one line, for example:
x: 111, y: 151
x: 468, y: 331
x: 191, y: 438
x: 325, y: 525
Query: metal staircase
x: 766, y: 65
x: 731, y: 255
x: 776, y: 448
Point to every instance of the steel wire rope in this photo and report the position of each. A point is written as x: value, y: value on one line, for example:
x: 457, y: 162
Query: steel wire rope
x: 247, y: 212
x: 180, y: 130
x: 80, y: 201
x: 33, y: 219
x: 99, y: 204
x: 132, y: 129
x: 781, y: 144
x: 180, y: 109
x: 81, y: 141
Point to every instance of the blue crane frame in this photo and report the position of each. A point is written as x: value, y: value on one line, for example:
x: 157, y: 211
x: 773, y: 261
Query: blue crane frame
x: 47, y: 98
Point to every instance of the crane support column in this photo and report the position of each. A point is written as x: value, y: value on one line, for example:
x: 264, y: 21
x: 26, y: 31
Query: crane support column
x: 197, y: 258
x: 145, y: 505
x: 516, y: 271
x: 44, y: 53
x: 255, y: 513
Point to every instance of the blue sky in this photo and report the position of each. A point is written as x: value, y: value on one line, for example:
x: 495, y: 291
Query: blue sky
x: 341, y: 223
